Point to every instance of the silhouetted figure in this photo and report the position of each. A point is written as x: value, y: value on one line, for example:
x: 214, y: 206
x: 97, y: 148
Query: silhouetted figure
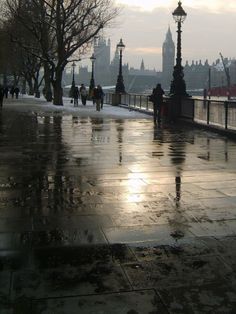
x: 5, y: 91
x: 76, y: 96
x: 16, y: 91
x: 1, y: 96
x: 83, y: 94
x: 12, y: 91
x: 98, y: 95
x: 157, y: 99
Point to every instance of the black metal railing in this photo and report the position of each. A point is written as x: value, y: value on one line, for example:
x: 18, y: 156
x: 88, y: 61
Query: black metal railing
x: 212, y: 112
x: 220, y: 113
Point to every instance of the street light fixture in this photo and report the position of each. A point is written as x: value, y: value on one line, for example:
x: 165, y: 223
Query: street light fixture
x: 72, y: 89
x: 120, y: 88
x: 178, y: 86
x: 92, y: 83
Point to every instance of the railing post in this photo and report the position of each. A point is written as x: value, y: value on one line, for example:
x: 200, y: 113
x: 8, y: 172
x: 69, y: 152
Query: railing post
x: 147, y: 102
x: 208, y: 111
x: 140, y: 101
x: 226, y: 104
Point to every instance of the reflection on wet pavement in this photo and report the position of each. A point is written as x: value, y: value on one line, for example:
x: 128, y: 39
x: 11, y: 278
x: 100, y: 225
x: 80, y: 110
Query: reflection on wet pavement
x: 97, y: 206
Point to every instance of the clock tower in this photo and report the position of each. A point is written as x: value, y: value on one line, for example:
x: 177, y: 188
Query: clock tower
x: 168, y: 60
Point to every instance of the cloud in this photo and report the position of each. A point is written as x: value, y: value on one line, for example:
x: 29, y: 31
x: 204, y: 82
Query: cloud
x: 145, y: 50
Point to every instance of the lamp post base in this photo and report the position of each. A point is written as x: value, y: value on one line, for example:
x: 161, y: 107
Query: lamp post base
x: 116, y: 99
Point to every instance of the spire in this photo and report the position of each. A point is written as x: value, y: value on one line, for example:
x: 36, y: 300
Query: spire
x: 142, y: 67
x: 168, y: 35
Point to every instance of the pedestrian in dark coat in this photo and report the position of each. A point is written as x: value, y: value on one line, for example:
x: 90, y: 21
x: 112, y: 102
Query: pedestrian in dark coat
x: 76, y: 96
x: 98, y: 96
x: 12, y: 91
x: 5, y: 91
x: 16, y: 91
x: 157, y: 99
x: 1, y: 96
x: 83, y: 93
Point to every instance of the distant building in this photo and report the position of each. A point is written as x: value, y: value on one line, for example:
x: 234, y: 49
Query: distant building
x: 196, y: 73
x: 168, y: 60
x: 102, y: 53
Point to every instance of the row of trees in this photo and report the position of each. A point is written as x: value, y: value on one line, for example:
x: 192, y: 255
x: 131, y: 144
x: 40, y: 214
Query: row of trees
x: 48, y: 34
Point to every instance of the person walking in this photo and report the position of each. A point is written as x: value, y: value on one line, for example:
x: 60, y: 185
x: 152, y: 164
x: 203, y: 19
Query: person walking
x: 157, y: 99
x: 1, y: 96
x: 98, y: 95
x: 17, y: 91
x: 5, y: 91
x: 76, y: 96
x: 12, y: 91
x: 102, y: 99
x: 83, y: 94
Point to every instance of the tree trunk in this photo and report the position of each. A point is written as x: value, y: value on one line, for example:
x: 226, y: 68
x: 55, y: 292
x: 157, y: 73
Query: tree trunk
x: 47, y: 82
x: 57, y: 89
x: 36, y: 88
x: 31, y: 88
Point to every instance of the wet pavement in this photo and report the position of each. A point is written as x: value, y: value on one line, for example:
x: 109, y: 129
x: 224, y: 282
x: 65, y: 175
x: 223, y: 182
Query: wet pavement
x: 103, y: 213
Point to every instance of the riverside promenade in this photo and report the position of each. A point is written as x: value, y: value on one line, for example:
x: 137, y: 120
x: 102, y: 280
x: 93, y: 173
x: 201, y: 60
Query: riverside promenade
x: 102, y: 212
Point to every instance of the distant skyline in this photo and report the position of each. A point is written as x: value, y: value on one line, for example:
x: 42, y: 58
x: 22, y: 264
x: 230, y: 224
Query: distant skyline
x: 142, y: 24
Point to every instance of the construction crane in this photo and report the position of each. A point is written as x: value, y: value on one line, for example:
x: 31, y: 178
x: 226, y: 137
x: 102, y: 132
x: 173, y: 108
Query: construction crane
x: 226, y: 69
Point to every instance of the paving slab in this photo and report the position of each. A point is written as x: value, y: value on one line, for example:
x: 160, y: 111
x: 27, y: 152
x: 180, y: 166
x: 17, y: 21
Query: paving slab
x: 68, y: 281
x: 146, y: 301
x: 213, y: 298
x: 174, y: 272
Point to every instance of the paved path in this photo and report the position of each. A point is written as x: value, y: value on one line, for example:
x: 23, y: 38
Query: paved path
x: 109, y: 214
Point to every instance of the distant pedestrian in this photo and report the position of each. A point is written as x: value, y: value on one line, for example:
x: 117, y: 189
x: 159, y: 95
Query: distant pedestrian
x: 98, y: 95
x: 157, y: 99
x: 16, y: 91
x: 76, y: 96
x: 12, y: 91
x: 83, y: 94
x: 1, y: 96
x: 5, y: 91
x: 102, y: 99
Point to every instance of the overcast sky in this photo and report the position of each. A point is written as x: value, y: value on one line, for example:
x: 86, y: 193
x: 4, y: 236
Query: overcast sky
x: 208, y: 30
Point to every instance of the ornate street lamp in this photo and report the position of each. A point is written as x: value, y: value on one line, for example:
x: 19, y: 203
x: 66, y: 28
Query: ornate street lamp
x: 120, y: 88
x: 92, y: 83
x: 178, y: 86
x: 73, y: 80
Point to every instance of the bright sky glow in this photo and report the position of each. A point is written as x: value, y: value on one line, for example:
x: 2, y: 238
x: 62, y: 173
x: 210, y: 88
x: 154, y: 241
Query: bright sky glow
x: 208, y: 30
x: 212, y: 5
x: 147, y: 5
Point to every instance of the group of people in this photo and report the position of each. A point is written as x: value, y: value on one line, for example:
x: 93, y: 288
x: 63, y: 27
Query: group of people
x: 14, y: 91
x: 97, y: 96
x: 80, y: 93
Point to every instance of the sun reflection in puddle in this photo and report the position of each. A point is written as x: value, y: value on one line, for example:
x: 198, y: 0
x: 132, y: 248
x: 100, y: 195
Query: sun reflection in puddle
x: 135, y: 188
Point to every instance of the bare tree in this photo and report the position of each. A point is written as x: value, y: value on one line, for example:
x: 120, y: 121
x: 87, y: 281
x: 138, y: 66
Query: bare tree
x: 16, y: 60
x: 64, y: 29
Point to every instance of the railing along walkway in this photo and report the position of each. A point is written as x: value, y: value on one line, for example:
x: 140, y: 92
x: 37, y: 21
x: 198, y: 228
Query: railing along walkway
x: 218, y: 113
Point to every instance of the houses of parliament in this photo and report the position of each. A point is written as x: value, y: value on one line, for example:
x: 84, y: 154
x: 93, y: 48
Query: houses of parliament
x: 197, y: 74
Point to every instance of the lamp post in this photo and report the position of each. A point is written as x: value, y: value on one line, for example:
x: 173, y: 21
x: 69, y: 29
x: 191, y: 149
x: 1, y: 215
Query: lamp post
x: 178, y: 86
x: 73, y: 80
x: 120, y: 88
x: 92, y: 82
